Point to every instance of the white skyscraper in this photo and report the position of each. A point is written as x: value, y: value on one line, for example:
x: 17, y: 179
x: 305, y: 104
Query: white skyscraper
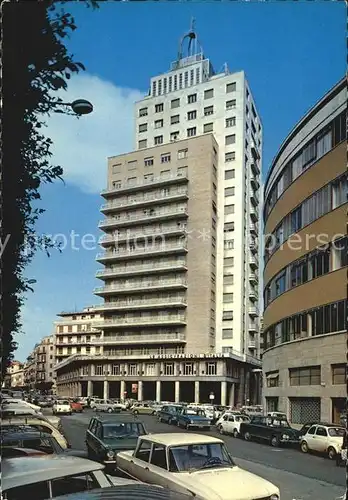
x: 190, y: 100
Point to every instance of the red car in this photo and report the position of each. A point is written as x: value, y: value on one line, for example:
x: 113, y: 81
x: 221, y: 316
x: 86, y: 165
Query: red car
x: 76, y: 407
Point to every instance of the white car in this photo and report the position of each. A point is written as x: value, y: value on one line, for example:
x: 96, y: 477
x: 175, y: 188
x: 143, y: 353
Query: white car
x: 322, y: 438
x: 50, y: 476
x: 195, y: 464
x: 226, y: 413
x: 62, y: 406
x: 106, y: 405
x: 230, y: 424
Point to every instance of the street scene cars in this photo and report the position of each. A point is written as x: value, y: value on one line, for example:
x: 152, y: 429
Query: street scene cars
x: 107, y: 405
x: 326, y: 439
x: 62, y: 406
x: 169, y: 414
x: 273, y: 430
x: 230, y: 424
x: 190, y: 417
x: 143, y: 409
x: 194, y: 464
x: 105, y: 437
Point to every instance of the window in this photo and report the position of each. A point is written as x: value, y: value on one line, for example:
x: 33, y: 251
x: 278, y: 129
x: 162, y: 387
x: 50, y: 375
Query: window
x: 158, y: 123
x: 231, y: 156
x: 229, y: 209
x: 208, y: 127
x: 230, y: 139
x: 115, y: 370
x: 132, y: 165
x: 143, y: 112
x: 209, y: 110
x: 229, y: 174
x: 229, y: 191
x: 132, y: 369
x: 174, y: 119
x: 272, y: 379
x: 321, y: 431
x: 339, y: 128
x: 182, y: 153
x: 192, y: 115
x: 142, y: 144
x: 339, y: 191
x: 165, y: 158
x: 230, y: 122
x: 174, y: 136
x: 169, y: 368
x: 231, y: 104
x: 191, y: 132
x: 116, y: 169
x: 280, y: 284
x: 159, y: 139
x: 230, y: 87
x: 143, y: 127
x: 341, y: 248
x: 208, y: 94
x: 305, y: 376
x: 211, y: 368
x: 229, y: 262
x: 150, y: 369
x: 192, y: 98
x: 158, y: 456
x: 339, y: 375
x: 148, y: 162
x: 227, y: 315
x: 188, y: 369
x: 309, y: 154
x: 296, y: 220
x: 143, y: 452
x: 159, y: 108
x: 227, y: 333
x: 175, y: 103
x: 99, y: 370
x: 227, y: 297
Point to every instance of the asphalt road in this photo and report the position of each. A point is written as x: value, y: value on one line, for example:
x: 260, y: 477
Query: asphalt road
x: 298, y: 476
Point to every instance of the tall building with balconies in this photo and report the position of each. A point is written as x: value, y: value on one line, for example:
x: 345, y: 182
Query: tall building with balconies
x: 190, y: 100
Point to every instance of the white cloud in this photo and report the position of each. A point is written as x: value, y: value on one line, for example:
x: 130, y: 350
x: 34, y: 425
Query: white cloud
x: 81, y: 146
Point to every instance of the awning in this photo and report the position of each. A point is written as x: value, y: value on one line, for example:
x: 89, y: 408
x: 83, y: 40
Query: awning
x: 272, y: 375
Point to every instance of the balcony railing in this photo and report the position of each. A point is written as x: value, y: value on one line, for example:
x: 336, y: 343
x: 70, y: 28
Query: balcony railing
x: 254, y: 215
x: 144, y: 200
x: 144, y: 320
x: 253, y: 311
x: 143, y: 303
x: 254, y: 198
x: 252, y: 344
x: 253, y: 262
x: 146, y: 217
x: 145, y: 183
x: 122, y: 288
x: 253, y: 278
x: 144, y: 339
x: 139, y: 269
x: 253, y: 228
x: 254, y: 182
x: 255, y: 169
x: 143, y: 233
x: 149, y: 249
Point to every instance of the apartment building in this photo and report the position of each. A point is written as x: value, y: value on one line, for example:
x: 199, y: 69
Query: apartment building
x: 305, y: 274
x: 190, y: 100
x: 15, y: 375
x: 39, y: 366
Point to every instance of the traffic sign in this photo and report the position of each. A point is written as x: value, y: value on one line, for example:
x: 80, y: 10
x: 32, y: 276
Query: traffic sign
x: 211, y: 395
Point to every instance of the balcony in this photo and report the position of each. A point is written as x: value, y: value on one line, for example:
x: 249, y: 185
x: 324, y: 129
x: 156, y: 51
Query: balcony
x: 251, y: 344
x: 254, y: 215
x: 253, y: 295
x: 253, y: 262
x: 154, y: 268
x: 145, y: 184
x: 145, y: 200
x: 253, y: 278
x: 145, y: 339
x: 254, y: 247
x: 255, y: 169
x: 146, y: 250
x: 148, y: 217
x: 147, y: 285
x: 253, y: 327
x: 254, y: 199
x: 253, y: 229
x: 253, y: 311
x: 146, y: 233
x: 160, y: 320
x: 254, y: 151
x: 144, y: 304
x: 255, y: 184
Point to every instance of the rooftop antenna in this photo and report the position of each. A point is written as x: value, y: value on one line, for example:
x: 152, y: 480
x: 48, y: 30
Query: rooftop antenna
x: 193, y: 41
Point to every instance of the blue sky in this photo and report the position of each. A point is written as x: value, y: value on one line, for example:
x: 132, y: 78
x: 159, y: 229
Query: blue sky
x: 291, y: 52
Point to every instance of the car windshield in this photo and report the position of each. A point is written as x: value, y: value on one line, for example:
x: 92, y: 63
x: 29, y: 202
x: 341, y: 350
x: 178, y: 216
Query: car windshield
x: 242, y: 418
x: 336, y: 431
x: 195, y: 412
x: 63, y: 402
x: 193, y: 457
x: 279, y: 423
x: 122, y: 430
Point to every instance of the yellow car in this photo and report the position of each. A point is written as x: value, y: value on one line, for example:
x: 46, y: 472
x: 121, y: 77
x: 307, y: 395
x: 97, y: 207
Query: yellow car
x: 143, y: 409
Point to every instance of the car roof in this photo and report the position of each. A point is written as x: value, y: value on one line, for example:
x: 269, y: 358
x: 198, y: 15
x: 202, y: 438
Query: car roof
x: 129, y: 491
x: 324, y: 424
x: 29, y: 434
x: 177, y: 439
x: 113, y: 419
x: 28, y: 470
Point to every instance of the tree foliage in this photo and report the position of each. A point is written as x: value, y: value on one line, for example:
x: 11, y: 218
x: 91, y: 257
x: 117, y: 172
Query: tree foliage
x: 35, y: 66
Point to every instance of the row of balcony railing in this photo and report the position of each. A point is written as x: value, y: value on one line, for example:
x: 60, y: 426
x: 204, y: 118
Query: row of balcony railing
x: 139, y: 250
x: 144, y: 183
x: 147, y: 198
x: 117, y: 270
x: 158, y: 283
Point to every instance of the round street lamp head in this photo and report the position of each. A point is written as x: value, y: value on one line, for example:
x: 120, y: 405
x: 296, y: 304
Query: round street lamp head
x: 82, y: 107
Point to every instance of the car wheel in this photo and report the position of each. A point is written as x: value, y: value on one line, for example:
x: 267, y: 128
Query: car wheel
x: 235, y: 433
x: 274, y: 441
x: 109, y: 410
x: 154, y: 412
x: 304, y: 447
x: 331, y: 453
x: 221, y: 430
x: 178, y: 424
x: 135, y: 412
x: 247, y: 436
x: 160, y: 419
x: 187, y: 426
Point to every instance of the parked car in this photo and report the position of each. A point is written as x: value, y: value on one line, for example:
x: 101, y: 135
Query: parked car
x: 39, y: 423
x: 52, y: 476
x: 121, y: 403
x: 157, y: 407
x: 198, y: 465
x: 230, y: 424
x: 136, y: 491
x: 62, y: 406
x: 274, y: 431
x: 76, y: 406
x: 105, y: 437
x: 326, y: 439
x: 143, y: 409
x: 188, y: 418
x: 228, y: 412
x: 169, y: 414
x: 107, y: 405
x: 18, y: 402
x: 93, y: 402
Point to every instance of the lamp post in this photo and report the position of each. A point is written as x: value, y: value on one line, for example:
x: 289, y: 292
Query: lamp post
x: 79, y: 107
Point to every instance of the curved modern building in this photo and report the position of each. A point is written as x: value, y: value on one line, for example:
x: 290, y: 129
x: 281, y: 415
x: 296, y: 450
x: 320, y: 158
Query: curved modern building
x: 305, y: 273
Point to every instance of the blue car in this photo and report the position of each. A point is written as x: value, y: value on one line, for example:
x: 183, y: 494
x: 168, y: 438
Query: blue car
x: 169, y: 413
x: 193, y: 418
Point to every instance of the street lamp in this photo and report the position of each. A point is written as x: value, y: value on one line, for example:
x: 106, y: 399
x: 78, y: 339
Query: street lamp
x: 79, y: 106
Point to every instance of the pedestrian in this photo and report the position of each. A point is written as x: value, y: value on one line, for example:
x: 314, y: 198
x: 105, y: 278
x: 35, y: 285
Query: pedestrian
x: 88, y: 402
